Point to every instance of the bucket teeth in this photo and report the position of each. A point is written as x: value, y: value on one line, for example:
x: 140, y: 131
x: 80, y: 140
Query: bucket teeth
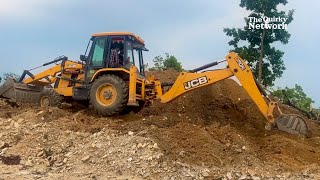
x: 293, y: 124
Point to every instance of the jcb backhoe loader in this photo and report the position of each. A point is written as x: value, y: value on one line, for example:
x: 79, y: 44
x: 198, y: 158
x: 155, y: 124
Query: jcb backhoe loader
x: 110, y: 76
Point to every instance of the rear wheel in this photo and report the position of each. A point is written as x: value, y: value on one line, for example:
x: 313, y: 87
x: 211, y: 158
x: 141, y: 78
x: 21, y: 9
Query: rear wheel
x: 109, y: 95
x: 48, y: 97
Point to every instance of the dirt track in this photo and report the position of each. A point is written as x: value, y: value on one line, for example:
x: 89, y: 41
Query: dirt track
x: 212, y: 133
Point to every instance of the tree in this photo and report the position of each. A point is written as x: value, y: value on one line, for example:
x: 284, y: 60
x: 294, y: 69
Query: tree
x: 255, y: 44
x: 5, y: 76
x: 10, y: 75
x: 168, y: 62
x: 296, y: 95
x: 172, y: 62
x: 158, y: 63
x: 317, y: 113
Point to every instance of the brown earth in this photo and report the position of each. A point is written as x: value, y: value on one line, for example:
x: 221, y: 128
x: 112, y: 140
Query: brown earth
x: 215, y: 132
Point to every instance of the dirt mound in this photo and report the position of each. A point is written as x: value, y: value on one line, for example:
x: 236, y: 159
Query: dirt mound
x: 214, y: 132
x: 169, y: 75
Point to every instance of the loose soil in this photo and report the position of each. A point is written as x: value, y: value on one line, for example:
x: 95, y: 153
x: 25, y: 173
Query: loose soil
x: 216, y: 132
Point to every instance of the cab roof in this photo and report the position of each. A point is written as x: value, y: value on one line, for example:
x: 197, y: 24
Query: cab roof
x: 118, y: 34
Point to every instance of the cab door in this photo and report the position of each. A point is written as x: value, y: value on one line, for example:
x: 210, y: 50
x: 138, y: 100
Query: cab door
x: 97, y: 56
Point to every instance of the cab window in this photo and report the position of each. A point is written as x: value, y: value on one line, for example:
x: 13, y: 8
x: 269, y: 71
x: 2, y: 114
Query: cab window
x: 136, y: 58
x: 98, y: 53
x: 129, y: 56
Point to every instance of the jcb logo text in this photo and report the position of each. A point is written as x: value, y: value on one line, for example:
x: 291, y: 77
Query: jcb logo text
x: 195, y: 82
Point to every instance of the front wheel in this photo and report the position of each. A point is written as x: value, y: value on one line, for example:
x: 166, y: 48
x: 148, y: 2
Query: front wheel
x: 109, y: 95
x: 48, y: 97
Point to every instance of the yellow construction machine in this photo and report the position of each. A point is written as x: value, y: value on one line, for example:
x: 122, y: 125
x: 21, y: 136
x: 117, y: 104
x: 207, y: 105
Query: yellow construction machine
x: 110, y: 76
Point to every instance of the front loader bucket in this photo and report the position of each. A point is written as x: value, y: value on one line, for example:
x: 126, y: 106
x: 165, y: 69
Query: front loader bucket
x: 293, y: 124
x: 19, y: 92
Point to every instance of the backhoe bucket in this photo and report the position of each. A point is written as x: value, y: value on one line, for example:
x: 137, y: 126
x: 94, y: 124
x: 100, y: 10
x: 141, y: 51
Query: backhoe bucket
x: 18, y: 92
x: 293, y: 124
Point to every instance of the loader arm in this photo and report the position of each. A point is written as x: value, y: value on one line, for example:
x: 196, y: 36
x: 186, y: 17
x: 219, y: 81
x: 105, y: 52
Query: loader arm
x: 188, y: 81
x: 48, y: 76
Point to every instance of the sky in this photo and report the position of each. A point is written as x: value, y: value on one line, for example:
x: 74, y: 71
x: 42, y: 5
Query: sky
x: 36, y: 31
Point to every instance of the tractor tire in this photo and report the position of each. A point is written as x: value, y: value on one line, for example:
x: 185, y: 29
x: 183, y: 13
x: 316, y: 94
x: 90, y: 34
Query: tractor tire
x: 109, y: 95
x: 49, y: 97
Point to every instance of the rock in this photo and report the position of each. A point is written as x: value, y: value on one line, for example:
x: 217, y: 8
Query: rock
x: 243, y: 177
x: 238, y: 150
x: 150, y: 146
x: 229, y: 175
x: 3, y: 145
x: 244, y: 147
x: 98, y: 145
x: 58, y: 164
x: 205, y: 172
x: 85, y: 135
x: 70, y: 165
x: 40, y: 170
x: 155, y: 146
x: 182, y: 153
x: 85, y: 158
x: 139, y: 145
x: 40, y: 153
x: 69, y: 154
x: 65, y: 160
x: 268, y: 127
x: 28, y: 163
x: 39, y: 113
x: 255, y: 178
x: 130, y: 133
x: 130, y: 159
x: 20, y: 120
x: 158, y: 156
x: 134, y: 146
x: 4, y: 151
x: 16, y: 125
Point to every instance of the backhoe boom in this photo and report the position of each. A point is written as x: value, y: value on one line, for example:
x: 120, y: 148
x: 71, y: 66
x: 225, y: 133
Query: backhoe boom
x: 188, y: 81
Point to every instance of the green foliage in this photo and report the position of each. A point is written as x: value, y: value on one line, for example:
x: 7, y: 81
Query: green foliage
x: 255, y: 45
x: 296, y: 95
x: 158, y: 63
x: 172, y: 62
x: 168, y: 62
x: 317, y: 113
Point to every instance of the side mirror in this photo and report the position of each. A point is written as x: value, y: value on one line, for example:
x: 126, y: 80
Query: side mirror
x: 83, y: 58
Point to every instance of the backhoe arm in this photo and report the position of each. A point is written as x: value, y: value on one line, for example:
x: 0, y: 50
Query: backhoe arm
x: 236, y: 67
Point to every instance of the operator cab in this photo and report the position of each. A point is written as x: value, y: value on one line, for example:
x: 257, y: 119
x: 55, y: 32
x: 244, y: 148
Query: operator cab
x: 114, y: 50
